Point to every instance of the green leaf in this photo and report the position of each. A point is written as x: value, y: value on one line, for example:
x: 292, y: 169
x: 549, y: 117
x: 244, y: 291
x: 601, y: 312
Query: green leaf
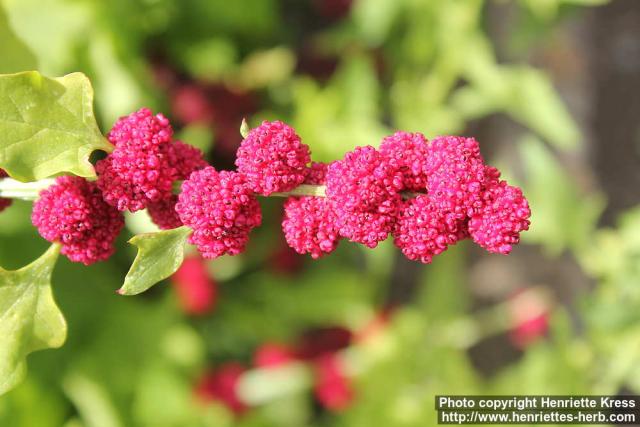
x: 244, y: 128
x: 30, y: 320
x: 159, y: 256
x: 47, y: 126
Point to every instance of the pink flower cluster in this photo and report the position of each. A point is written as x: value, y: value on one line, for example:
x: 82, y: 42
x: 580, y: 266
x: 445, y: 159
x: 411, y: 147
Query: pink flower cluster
x: 427, y: 194
x: 361, y: 191
x: 310, y: 223
x: 221, y: 210
x: 144, y: 165
x: 73, y: 213
x: 272, y: 158
x: 4, y: 203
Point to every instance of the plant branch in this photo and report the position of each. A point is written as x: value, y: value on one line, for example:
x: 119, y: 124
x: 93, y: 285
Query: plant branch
x: 12, y: 189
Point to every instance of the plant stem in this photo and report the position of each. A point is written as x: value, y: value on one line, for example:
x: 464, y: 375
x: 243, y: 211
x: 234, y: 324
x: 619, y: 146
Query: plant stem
x: 12, y: 189
x: 304, y: 190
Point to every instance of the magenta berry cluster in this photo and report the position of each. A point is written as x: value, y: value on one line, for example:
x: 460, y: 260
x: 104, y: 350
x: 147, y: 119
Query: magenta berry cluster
x: 273, y: 158
x: 221, y: 210
x: 73, y: 213
x: 427, y: 195
x: 145, y: 162
x: 310, y: 223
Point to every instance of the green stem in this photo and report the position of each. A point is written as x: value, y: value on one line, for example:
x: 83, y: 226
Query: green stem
x: 12, y: 189
x: 304, y: 190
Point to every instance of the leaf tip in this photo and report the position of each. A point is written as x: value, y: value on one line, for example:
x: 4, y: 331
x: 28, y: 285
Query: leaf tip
x: 244, y: 128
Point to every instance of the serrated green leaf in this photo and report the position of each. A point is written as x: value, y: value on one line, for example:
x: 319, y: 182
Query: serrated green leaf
x: 159, y: 256
x: 47, y: 126
x: 30, y: 320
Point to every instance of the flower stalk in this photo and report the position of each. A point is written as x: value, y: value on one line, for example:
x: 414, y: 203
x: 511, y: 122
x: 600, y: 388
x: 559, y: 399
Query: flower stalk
x: 12, y: 189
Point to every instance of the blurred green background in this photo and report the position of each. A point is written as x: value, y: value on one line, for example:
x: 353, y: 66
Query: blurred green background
x: 549, y: 88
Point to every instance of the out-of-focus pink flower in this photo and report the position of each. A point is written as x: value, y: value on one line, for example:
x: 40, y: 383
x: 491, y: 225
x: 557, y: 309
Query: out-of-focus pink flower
x: 271, y: 355
x: 529, y: 311
x: 220, y: 385
x: 190, y: 104
x: 197, y: 291
x: 333, y: 387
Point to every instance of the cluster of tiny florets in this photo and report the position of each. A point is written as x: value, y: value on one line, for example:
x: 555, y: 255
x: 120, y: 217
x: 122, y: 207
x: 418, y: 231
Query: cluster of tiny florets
x: 360, y: 188
x: 4, y: 203
x: 73, y: 213
x: 309, y: 223
x: 423, y: 231
x: 504, y: 214
x: 455, y: 175
x: 144, y: 163
x: 427, y: 194
x: 406, y: 153
x: 221, y: 210
x: 272, y: 158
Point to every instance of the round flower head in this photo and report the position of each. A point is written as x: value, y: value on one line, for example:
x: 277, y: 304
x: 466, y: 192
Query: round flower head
x: 220, y: 209
x: 141, y: 130
x: 422, y: 230
x: 185, y: 159
x: 505, y: 213
x: 360, y: 190
x: 455, y: 175
x: 139, y: 170
x: 407, y: 152
x: 73, y: 213
x: 309, y: 226
x: 145, y: 163
x: 309, y: 222
x: 4, y: 203
x: 272, y: 158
